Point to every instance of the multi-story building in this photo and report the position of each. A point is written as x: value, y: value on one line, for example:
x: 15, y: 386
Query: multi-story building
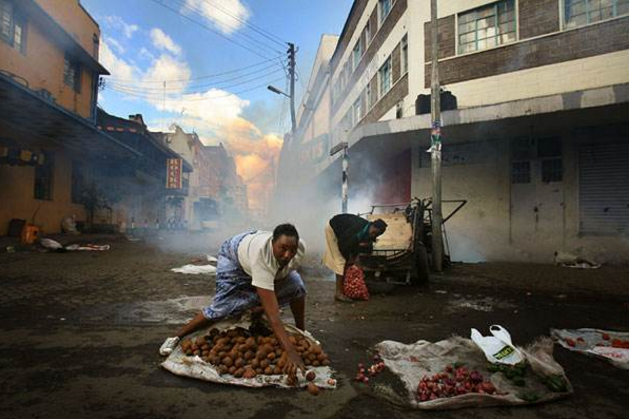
x: 537, y: 140
x: 142, y: 199
x: 49, y: 73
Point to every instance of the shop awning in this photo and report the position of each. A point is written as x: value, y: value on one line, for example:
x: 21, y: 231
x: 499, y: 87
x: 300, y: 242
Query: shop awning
x: 29, y: 119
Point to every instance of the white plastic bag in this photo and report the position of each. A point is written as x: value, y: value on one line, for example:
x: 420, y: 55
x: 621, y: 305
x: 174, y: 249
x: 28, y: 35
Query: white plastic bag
x: 498, y: 348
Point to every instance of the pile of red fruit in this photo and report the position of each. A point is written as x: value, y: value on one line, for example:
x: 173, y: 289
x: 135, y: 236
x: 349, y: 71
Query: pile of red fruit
x: 453, y: 382
x: 363, y: 373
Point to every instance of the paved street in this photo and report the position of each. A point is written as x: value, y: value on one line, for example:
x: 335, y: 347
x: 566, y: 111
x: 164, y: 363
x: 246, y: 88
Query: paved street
x: 80, y: 333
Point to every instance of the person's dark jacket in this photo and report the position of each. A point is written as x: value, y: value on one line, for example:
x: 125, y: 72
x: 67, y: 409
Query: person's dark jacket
x: 350, y: 230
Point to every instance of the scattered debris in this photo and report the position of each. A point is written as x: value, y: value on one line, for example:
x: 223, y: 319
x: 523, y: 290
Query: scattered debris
x: 196, y: 269
x: 569, y: 260
x: 606, y: 344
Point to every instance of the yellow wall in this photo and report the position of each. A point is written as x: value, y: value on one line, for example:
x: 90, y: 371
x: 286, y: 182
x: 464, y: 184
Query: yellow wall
x: 42, y: 64
x: 17, y: 184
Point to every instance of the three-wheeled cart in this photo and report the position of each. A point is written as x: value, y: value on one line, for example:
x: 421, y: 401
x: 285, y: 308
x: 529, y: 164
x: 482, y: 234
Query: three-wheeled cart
x: 403, y: 254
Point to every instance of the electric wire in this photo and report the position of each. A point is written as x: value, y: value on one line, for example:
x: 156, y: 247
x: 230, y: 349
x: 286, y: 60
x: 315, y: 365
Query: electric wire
x: 159, y: 2
x: 254, y: 27
x: 207, y: 76
x: 199, y: 12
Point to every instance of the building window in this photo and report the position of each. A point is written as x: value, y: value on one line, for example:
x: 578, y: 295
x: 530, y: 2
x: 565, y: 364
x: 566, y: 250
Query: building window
x: 521, y: 156
x: 583, y: 12
x: 385, y: 77
x: 384, y: 7
x: 549, y: 152
x: 404, y: 58
x: 72, y: 73
x: 12, y: 26
x: 367, y: 33
x: 95, y: 46
x: 358, y: 112
x: 44, y: 177
x: 356, y: 55
x: 368, y: 98
x: 487, y: 26
x: 77, y: 182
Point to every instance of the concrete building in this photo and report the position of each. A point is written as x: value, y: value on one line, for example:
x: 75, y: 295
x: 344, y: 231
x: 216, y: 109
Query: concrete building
x: 538, y: 140
x: 49, y: 74
x: 141, y: 199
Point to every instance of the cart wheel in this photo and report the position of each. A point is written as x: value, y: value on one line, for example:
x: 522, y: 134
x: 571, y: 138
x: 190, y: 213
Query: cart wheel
x: 420, y: 272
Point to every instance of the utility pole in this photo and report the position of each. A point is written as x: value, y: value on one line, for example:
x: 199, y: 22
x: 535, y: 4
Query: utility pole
x: 291, y: 70
x: 435, y: 145
x: 344, y: 146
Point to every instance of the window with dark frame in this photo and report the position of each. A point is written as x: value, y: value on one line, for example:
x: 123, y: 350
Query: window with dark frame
x: 44, y: 174
x: 583, y: 12
x: 521, y: 156
x: 385, y: 77
x: 549, y: 151
x: 77, y: 182
x: 487, y: 26
x: 12, y: 26
x: 404, y: 57
x: 72, y: 73
x: 385, y: 9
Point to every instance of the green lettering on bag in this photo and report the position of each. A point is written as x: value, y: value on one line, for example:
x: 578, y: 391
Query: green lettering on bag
x: 504, y: 352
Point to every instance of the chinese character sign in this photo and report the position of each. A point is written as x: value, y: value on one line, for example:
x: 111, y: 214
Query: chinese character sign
x: 174, y: 178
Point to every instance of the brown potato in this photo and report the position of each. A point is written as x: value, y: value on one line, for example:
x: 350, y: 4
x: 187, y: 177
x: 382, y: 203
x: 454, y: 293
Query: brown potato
x: 307, y: 361
x: 205, y: 353
x: 197, y: 352
x: 260, y: 340
x: 239, y: 372
x: 316, y: 349
x: 313, y: 389
x: 259, y: 370
x: 264, y: 363
x: 241, y: 339
x: 255, y: 363
x: 222, y: 354
x: 239, y: 362
x: 312, y: 357
x: 292, y: 340
x: 232, y: 370
x: 277, y: 370
x: 261, y: 354
x: 232, y: 333
x: 216, y: 338
x: 315, y: 363
x: 214, y: 359
x: 322, y: 357
x: 279, y: 352
x: 268, y: 370
x: 249, y: 373
x: 325, y: 362
x: 223, y: 369
x: 227, y: 361
x: 249, y: 355
x: 200, y: 341
x: 271, y: 356
x: 224, y: 341
x: 251, y: 341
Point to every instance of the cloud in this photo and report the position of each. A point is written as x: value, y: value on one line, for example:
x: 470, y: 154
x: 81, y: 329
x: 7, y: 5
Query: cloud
x: 228, y: 16
x: 116, y: 22
x: 164, y: 42
x: 119, y: 68
x: 115, y: 45
x: 166, y: 67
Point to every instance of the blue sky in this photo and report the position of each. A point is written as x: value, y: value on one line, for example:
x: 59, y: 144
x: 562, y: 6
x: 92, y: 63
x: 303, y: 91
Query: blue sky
x: 144, y: 43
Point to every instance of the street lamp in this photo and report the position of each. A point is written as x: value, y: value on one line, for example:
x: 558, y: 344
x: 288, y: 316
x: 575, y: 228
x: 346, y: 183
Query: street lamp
x: 277, y: 91
x: 345, y: 188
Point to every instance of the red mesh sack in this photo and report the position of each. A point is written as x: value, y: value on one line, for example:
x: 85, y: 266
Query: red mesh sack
x: 354, y: 285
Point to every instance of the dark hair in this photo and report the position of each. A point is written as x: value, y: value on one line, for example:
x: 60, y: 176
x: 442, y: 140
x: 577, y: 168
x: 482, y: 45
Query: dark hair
x: 380, y: 224
x: 285, y: 230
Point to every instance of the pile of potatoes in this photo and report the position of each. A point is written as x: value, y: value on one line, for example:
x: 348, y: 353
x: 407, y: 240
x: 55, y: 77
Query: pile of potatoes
x: 243, y: 355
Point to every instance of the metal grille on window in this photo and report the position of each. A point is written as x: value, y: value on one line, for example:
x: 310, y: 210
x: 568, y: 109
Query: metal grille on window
x: 583, y: 12
x: 44, y: 177
x: 487, y: 26
x: 521, y: 155
x: 549, y: 151
x: 6, y: 21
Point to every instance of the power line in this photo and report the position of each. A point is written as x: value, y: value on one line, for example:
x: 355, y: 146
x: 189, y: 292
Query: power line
x: 253, y: 27
x: 207, y: 76
x: 195, y: 86
x: 200, y: 13
x: 204, y: 98
x: 209, y: 29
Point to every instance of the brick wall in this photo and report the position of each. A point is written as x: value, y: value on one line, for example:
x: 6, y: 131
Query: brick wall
x: 398, y: 92
x: 538, y: 17
x: 446, y: 38
x: 564, y: 46
x: 356, y: 12
x: 395, y: 64
x: 399, y: 7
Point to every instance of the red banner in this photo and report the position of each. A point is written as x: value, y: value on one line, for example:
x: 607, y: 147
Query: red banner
x: 174, y: 174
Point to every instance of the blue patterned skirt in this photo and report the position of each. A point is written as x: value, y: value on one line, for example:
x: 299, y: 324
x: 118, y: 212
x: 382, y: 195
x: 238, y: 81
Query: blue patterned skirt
x: 234, y: 292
